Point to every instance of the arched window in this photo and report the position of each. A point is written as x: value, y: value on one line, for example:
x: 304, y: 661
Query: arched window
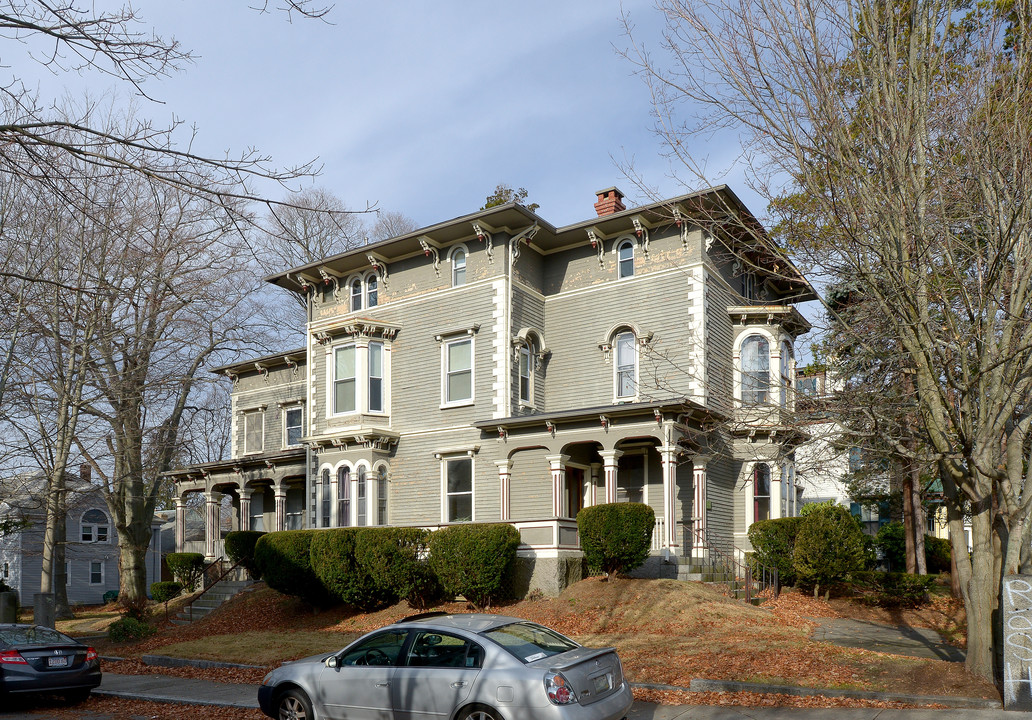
x: 381, y: 496
x: 625, y: 259
x: 326, y: 503
x: 761, y: 492
x: 343, y: 497
x: 625, y: 350
x: 786, y: 372
x: 458, y: 273
x: 527, y: 352
x: 356, y: 295
x: 371, y: 291
x: 94, y: 526
x: 360, y: 498
x: 755, y: 370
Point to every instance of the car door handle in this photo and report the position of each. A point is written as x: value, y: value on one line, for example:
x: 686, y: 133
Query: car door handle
x: 383, y: 684
x: 458, y: 684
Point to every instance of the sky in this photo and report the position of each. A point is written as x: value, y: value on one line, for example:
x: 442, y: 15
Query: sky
x: 423, y: 108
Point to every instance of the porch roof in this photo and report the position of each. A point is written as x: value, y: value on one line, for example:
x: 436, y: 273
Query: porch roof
x: 692, y: 411
x: 248, y: 461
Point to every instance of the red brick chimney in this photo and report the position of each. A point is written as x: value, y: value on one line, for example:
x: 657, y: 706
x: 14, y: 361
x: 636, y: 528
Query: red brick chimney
x: 610, y: 201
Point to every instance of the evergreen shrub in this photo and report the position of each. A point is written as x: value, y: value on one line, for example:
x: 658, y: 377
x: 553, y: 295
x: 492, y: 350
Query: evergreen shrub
x: 829, y: 545
x: 891, y: 541
x: 165, y: 591
x: 938, y: 554
x: 240, y: 548
x: 388, y: 558
x: 616, y: 537
x: 284, y: 560
x: 129, y: 628
x: 773, y: 543
x: 893, y: 589
x: 475, y: 560
x: 186, y: 568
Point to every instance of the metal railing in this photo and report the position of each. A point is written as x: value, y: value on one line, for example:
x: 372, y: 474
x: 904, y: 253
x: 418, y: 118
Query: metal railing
x: 756, y: 579
x: 208, y: 583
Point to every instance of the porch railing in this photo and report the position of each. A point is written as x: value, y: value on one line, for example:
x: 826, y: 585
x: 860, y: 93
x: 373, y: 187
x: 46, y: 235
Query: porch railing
x: 753, y: 578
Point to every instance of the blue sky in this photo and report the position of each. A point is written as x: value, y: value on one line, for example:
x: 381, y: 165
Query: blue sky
x: 422, y: 107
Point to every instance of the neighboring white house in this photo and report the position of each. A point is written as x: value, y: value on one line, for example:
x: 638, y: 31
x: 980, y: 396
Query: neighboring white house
x: 91, y: 545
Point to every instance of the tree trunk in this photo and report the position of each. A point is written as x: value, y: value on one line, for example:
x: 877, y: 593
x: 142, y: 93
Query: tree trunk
x: 917, y: 509
x: 132, y: 568
x: 982, y: 595
x: 908, y: 518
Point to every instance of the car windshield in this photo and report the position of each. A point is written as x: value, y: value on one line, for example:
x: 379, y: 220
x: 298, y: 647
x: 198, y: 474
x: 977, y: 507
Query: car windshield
x: 32, y: 635
x: 529, y: 642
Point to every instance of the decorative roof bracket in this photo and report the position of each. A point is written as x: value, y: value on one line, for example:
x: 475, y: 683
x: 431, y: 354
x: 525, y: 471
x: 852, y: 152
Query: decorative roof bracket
x: 525, y: 236
x: 484, y: 235
x: 598, y: 244
x: 379, y: 267
x: 682, y: 225
x: 430, y: 249
x: 641, y: 229
x: 331, y: 279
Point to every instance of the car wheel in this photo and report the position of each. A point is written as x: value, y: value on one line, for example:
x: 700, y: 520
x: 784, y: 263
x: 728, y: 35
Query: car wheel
x: 479, y: 712
x: 294, y: 705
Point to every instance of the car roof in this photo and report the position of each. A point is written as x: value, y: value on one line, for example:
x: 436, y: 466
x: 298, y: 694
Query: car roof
x: 471, y: 622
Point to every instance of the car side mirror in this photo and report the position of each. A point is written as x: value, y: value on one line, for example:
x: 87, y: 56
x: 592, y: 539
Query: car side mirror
x: 331, y: 661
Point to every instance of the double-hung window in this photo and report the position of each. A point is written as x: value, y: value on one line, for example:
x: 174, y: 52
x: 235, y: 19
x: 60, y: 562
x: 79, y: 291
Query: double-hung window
x: 786, y: 373
x: 375, y: 377
x: 526, y: 372
x: 381, y: 496
x: 293, y: 425
x: 325, y: 501
x: 94, y: 526
x: 626, y: 366
x: 343, y: 497
x: 458, y: 371
x: 625, y: 259
x: 755, y: 365
x: 254, y: 432
x: 371, y: 291
x: 96, y: 572
x: 458, y: 259
x: 344, y: 380
x: 459, y: 489
x: 360, y: 498
x: 761, y: 492
x: 356, y: 295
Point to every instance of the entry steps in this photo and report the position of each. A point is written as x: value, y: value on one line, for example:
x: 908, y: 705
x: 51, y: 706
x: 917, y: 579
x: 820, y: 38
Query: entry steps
x: 217, y: 594
x: 705, y: 570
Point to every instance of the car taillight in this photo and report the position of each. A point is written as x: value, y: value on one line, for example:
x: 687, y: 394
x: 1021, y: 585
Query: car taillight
x: 12, y: 656
x: 558, y: 689
x: 91, y: 654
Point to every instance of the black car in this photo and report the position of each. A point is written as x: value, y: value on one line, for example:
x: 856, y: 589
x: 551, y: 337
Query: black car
x: 38, y: 659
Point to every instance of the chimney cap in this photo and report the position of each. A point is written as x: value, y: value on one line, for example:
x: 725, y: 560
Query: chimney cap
x: 605, y: 192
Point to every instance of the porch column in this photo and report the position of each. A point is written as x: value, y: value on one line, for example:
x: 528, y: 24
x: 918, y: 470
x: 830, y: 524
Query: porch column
x: 212, y: 532
x: 699, y: 463
x: 609, y: 465
x: 668, y: 456
x: 558, y: 465
x: 504, y: 475
x: 180, y: 523
x: 280, y: 493
x: 244, y: 519
x: 596, y: 473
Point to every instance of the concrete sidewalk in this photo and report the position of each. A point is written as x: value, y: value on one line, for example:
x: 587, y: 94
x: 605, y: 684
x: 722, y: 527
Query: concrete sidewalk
x: 161, y: 688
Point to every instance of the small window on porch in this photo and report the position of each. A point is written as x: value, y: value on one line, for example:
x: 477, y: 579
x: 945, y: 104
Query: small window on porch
x: 295, y: 516
x: 761, y: 492
x: 381, y: 496
x: 360, y: 498
x: 325, y: 503
x: 257, y: 519
x: 343, y: 496
x: 630, y: 479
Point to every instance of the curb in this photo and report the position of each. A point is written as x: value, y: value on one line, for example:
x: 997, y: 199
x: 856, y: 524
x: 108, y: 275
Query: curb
x: 702, y: 685
x: 167, y: 661
x: 172, y: 700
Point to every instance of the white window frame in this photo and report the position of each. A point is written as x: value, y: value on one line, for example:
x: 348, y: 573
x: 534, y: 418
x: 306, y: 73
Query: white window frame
x: 620, y: 246
x: 446, y: 495
x: 370, y: 291
x: 455, y: 267
x: 526, y: 354
x: 785, y: 364
x: 94, y: 528
x: 361, y: 480
x: 617, y: 397
x: 249, y: 415
x: 356, y: 301
x: 343, y: 498
x: 742, y: 374
x: 300, y: 410
x: 334, y: 380
x: 446, y: 372
x: 102, y: 565
x: 382, y: 394
x: 381, y: 498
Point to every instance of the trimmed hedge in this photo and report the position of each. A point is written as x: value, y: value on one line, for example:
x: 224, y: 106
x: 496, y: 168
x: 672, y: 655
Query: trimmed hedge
x: 333, y: 564
x: 284, y: 560
x: 240, y: 549
x: 830, y: 544
x: 773, y: 543
x: 165, y: 591
x: 389, y: 558
x: 475, y: 560
x: 129, y: 628
x: 186, y: 568
x: 616, y: 537
x: 938, y: 554
x: 894, y: 589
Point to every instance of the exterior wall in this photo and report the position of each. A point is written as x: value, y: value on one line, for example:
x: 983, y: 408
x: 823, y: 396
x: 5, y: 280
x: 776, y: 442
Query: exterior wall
x: 281, y: 388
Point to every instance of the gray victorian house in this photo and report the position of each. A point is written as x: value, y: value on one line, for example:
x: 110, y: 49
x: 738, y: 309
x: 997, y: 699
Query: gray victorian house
x: 494, y: 368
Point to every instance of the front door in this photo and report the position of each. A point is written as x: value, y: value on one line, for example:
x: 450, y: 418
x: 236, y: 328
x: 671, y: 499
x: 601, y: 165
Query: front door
x: 436, y: 677
x: 359, y: 688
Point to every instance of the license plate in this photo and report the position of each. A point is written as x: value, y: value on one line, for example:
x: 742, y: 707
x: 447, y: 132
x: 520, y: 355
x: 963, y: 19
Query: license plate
x: 601, y: 683
x: 61, y: 661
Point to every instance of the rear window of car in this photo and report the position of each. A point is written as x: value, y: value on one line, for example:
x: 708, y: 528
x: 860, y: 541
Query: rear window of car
x: 529, y: 642
x: 32, y: 636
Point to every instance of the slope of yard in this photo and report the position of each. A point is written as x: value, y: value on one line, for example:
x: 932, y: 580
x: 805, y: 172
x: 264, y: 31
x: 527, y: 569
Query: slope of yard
x: 666, y: 632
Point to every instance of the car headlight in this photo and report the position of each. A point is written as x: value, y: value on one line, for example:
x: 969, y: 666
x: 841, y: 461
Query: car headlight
x: 265, y: 680
x: 558, y: 689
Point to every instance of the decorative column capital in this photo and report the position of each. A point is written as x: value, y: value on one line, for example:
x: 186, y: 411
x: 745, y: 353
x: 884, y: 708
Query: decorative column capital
x: 609, y: 457
x: 557, y: 462
x: 504, y: 466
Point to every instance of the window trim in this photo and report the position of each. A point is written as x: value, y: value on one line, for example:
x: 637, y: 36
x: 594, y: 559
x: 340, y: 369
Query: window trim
x: 103, y: 568
x: 526, y: 352
x: 94, y: 526
x: 620, y: 246
x: 381, y: 498
x: 334, y: 412
x: 446, y: 495
x: 742, y: 374
x: 447, y: 373
x: 632, y: 397
x: 381, y: 395
x: 343, y: 499
x: 370, y: 290
x: 287, y: 409
x: 354, y: 306
x: 455, y: 267
x: 248, y: 414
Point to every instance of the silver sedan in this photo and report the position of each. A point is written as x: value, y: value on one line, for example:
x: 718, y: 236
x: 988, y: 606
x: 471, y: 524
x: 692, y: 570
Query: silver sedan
x: 452, y: 667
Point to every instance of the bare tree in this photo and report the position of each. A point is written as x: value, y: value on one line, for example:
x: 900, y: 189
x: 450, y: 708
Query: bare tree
x: 905, y: 129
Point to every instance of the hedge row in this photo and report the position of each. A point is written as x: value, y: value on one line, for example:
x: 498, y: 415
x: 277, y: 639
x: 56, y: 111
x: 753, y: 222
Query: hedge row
x: 616, y: 537
x: 372, y: 567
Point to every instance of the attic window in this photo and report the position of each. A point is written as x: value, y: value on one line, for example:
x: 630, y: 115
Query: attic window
x: 94, y: 526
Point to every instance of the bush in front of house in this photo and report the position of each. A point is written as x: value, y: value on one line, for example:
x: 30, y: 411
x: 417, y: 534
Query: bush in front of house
x: 186, y: 568
x: 773, y: 543
x: 616, y: 537
x: 129, y: 628
x: 475, y: 560
x: 338, y: 572
x: 891, y: 542
x: 389, y: 558
x: 892, y: 589
x: 830, y: 544
x: 938, y: 554
x: 165, y: 591
x: 284, y: 560
x: 240, y: 548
